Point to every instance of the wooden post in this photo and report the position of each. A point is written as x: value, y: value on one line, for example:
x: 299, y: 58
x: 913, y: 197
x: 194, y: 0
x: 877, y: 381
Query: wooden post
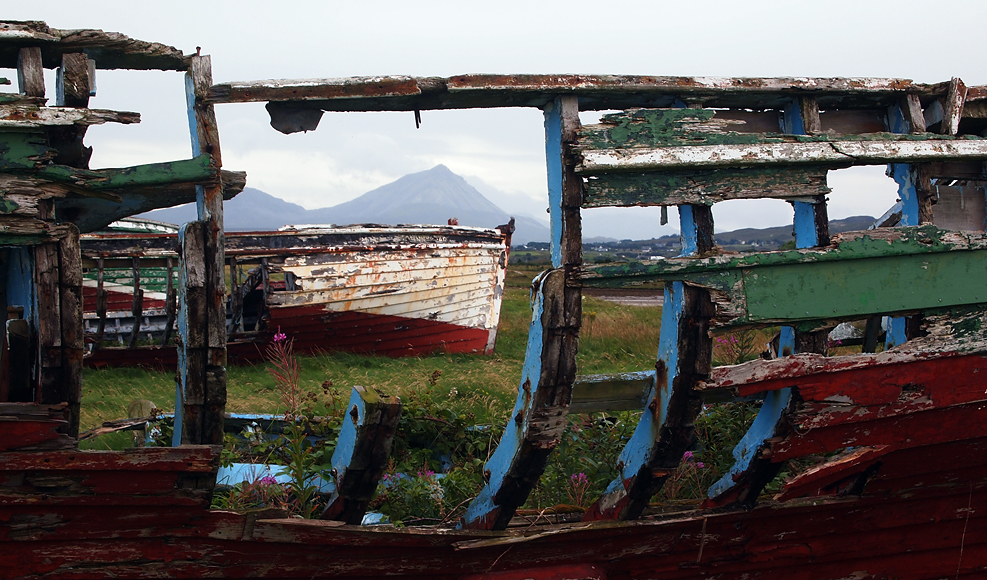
x: 170, y: 306
x: 73, y: 334
x: 102, y: 299
x: 30, y: 72
x: 549, y: 371
x: 49, y: 325
x: 72, y: 90
x: 202, y: 380
x: 137, y: 304
x: 190, y: 401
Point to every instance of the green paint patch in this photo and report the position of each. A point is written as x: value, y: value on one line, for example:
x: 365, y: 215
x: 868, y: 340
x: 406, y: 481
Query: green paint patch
x: 652, y: 128
x: 197, y: 170
x: 7, y: 206
x: 20, y: 150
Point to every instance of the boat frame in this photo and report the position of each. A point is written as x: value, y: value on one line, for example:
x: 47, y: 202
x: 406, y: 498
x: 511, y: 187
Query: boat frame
x: 902, y: 489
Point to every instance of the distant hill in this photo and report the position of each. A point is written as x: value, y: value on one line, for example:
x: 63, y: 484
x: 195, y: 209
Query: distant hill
x: 776, y: 236
x: 427, y: 197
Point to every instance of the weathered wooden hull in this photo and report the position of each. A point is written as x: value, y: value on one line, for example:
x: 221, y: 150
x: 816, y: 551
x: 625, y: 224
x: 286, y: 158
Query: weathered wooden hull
x: 921, y: 517
x: 405, y: 291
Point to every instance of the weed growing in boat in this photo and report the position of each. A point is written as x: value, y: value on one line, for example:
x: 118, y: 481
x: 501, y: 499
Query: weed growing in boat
x: 737, y: 347
x: 590, y: 447
x: 689, y: 480
x: 262, y: 492
x: 578, y: 484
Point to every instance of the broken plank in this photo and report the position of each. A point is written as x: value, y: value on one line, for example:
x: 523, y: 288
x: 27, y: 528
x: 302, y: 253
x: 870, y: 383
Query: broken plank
x: 873, y: 272
x: 16, y: 116
x: 196, y: 170
x: 703, y: 187
x: 362, y: 453
x: 898, y: 431
x: 92, y: 214
x: 309, y: 89
x: 953, y: 107
x: 832, y: 154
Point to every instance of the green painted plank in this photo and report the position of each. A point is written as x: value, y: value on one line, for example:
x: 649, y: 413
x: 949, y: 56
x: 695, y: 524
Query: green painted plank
x: 703, y: 187
x: 196, y: 170
x: 651, y: 128
x: 21, y: 150
x: 812, y: 291
x: 881, y: 243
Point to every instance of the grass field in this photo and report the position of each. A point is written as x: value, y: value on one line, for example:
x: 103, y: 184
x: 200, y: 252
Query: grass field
x: 613, y: 338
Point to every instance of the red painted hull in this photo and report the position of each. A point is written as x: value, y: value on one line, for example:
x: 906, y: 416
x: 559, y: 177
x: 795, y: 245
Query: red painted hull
x: 315, y: 331
x: 914, y: 522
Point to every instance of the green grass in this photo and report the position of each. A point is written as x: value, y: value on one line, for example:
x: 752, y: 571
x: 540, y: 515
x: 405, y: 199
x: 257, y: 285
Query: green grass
x: 614, y: 338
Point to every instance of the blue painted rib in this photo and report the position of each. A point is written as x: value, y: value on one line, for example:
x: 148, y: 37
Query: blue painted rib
x: 904, y: 176
x: 763, y: 426
x: 775, y: 402
x: 503, y: 457
x: 689, y: 233
x: 641, y: 447
x: 805, y: 225
x: 555, y: 166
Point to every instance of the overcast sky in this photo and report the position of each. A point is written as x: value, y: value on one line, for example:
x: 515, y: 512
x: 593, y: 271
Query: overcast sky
x: 352, y: 153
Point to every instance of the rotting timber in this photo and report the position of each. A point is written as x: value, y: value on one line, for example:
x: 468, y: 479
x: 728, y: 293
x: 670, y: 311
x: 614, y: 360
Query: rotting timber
x: 902, y: 492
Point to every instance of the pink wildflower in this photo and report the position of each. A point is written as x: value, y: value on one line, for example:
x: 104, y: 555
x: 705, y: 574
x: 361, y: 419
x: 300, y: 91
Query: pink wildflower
x: 280, y: 335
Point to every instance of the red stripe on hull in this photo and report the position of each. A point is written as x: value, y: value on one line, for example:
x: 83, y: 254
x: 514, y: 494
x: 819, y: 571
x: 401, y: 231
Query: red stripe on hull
x: 116, y: 301
x: 314, y: 330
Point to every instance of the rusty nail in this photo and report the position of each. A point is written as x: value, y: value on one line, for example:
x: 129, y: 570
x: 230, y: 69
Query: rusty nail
x: 486, y: 475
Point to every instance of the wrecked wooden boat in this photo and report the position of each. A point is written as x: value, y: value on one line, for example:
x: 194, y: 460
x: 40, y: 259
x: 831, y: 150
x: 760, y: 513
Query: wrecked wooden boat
x: 369, y: 289
x: 900, y: 487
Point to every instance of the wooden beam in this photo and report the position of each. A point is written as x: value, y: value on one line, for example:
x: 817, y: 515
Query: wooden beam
x: 73, y: 335
x: 27, y: 116
x: 539, y: 415
x: 911, y: 106
x: 831, y: 154
x: 49, y: 323
x: 91, y: 213
x: 110, y: 50
x: 30, y: 72
x: 700, y: 187
x: 191, y: 422
x: 595, y: 92
x: 362, y: 452
x: 863, y: 273
x: 72, y: 81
